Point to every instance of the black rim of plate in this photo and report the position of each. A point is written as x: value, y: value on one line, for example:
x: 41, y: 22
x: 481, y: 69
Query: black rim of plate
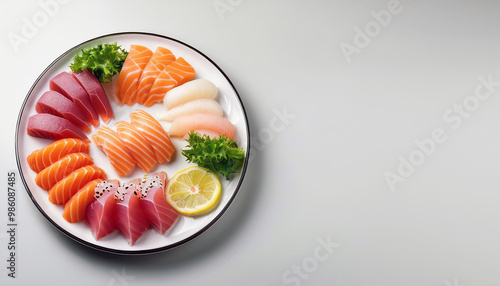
x: 118, y: 251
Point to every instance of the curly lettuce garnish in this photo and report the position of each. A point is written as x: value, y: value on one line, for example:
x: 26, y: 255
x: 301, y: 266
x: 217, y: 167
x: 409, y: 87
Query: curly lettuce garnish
x: 219, y: 155
x: 104, y: 61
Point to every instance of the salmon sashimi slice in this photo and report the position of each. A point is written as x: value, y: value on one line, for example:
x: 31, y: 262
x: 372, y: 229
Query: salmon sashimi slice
x: 61, y: 192
x: 118, y: 154
x: 139, y: 147
x: 54, y: 103
x: 42, y: 158
x: 68, y: 86
x: 154, y: 133
x: 49, y: 176
x: 76, y: 207
x: 130, y: 219
x: 173, y: 75
x: 128, y: 80
x: 45, y: 125
x: 101, y: 213
x: 160, y: 59
x: 159, y: 213
x: 202, y: 121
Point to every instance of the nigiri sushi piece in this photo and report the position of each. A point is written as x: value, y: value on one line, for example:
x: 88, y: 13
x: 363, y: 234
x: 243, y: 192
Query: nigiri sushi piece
x: 76, y: 207
x: 96, y: 93
x: 49, y: 176
x: 44, y: 157
x: 68, y: 86
x: 61, y: 192
x: 156, y: 209
x: 53, y: 127
x: 118, y: 154
x: 195, y: 89
x: 154, y: 133
x: 202, y: 105
x: 130, y: 219
x: 139, y: 147
x: 202, y: 121
x: 57, y: 104
x: 175, y: 74
x: 161, y: 58
x: 128, y: 80
x: 101, y: 213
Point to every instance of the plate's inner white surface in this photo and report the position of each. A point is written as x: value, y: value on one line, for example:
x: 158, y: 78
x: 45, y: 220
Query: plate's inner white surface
x: 185, y: 227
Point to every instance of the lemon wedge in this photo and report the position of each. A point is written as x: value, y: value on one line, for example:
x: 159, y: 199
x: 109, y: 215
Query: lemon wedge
x: 193, y: 191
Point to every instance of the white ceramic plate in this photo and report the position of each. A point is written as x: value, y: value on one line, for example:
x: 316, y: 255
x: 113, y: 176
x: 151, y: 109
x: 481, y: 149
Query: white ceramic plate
x: 186, y: 228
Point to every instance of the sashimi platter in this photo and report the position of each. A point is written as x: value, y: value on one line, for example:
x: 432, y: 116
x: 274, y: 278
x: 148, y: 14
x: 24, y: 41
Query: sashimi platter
x: 132, y: 143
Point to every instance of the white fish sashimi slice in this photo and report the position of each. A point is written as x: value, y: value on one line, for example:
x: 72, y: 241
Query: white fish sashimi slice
x: 203, y: 105
x: 192, y: 90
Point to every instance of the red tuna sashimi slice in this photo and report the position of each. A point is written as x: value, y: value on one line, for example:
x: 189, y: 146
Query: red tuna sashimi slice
x: 49, y: 126
x: 97, y: 96
x: 101, y: 213
x: 130, y: 219
x: 159, y: 213
x: 68, y: 86
x: 57, y: 104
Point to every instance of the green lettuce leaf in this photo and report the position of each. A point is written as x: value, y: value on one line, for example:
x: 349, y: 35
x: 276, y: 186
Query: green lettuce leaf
x: 104, y: 61
x: 219, y: 155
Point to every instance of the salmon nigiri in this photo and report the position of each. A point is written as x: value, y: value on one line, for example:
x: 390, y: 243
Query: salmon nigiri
x: 173, y: 75
x: 160, y: 59
x: 202, y: 121
x: 61, y: 192
x: 49, y: 176
x: 42, y: 158
x: 154, y: 133
x: 139, y: 147
x: 118, y: 154
x: 75, y: 208
x: 128, y: 80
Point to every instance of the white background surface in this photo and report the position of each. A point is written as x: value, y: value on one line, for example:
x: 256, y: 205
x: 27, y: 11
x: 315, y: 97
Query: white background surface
x: 321, y: 176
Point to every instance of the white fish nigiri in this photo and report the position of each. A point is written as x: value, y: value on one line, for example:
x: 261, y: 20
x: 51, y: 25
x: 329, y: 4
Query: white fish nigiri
x: 192, y: 90
x: 202, y: 105
x: 202, y: 121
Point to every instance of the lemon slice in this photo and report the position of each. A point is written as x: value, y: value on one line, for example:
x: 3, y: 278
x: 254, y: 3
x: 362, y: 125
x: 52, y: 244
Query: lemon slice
x: 193, y: 190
